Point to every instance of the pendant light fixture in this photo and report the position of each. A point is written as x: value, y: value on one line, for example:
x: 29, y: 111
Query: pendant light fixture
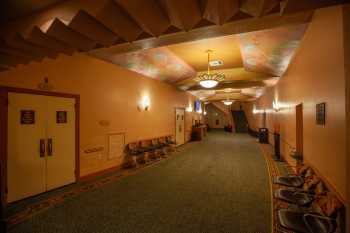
x: 209, y: 80
x: 228, y: 102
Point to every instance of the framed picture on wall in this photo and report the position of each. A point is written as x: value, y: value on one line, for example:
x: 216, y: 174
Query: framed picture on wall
x: 321, y: 114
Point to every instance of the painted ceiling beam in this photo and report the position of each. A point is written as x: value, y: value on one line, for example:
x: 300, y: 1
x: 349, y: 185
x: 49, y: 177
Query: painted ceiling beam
x: 18, y: 42
x: 90, y: 27
x: 292, y: 6
x: 22, y: 57
x: 235, y: 27
x: 41, y: 39
x: 148, y: 15
x: 238, y: 97
x: 119, y: 22
x: 10, y: 60
x: 63, y: 33
x: 183, y: 14
x: 220, y: 11
x: 234, y: 85
x: 258, y: 8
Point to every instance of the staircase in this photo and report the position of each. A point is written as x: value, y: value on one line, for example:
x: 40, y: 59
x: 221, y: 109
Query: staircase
x: 241, y: 123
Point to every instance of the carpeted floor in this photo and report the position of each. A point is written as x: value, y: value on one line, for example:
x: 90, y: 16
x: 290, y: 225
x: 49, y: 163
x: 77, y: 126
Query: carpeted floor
x: 218, y: 185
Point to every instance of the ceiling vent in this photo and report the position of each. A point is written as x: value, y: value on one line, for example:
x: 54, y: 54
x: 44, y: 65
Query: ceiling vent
x: 216, y: 63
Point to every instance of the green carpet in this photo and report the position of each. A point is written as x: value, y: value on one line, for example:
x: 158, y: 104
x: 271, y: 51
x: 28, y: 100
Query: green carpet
x: 216, y: 185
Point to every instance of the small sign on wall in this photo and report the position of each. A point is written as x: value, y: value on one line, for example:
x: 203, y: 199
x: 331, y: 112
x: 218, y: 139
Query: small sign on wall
x: 27, y: 117
x: 61, y: 117
x: 116, y: 145
x: 321, y: 114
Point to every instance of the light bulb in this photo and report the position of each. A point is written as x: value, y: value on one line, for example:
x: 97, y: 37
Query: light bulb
x: 208, y: 83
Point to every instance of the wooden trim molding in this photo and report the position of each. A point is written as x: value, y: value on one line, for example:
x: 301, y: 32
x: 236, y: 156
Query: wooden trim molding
x: 346, y: 28
x: 184, y: 129
x: 3, y: 134
x: 3, y: 152
x: 99, y: 173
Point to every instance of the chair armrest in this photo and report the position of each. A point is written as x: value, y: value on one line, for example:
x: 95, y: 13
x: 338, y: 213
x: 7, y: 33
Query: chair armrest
x: 319, y: 216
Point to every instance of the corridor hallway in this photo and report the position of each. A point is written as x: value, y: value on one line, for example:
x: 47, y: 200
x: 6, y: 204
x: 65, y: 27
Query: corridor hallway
x: 220, y: 184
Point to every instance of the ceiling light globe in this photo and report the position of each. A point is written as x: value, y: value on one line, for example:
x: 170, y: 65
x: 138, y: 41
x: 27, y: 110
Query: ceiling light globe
x: 227, y: 102
x: 208, y: 83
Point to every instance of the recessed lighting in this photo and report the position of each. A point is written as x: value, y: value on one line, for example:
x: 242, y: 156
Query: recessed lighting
x: 216, y: 63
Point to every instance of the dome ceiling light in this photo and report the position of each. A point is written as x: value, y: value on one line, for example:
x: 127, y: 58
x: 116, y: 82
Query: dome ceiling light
x: 209, y: 80
x: 228, y: 102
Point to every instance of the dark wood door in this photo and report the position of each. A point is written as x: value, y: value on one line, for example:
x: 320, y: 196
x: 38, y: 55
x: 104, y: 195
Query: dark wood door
x: 299, y: 128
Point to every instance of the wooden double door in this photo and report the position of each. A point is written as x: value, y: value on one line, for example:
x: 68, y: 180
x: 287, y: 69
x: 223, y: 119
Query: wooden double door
x: 40, y: 144
x: 180, y: 126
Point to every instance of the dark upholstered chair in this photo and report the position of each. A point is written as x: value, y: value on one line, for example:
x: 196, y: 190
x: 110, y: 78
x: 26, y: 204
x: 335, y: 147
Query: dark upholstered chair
x: 146, y: 146
x: 170, y: 141
x: 319, y: 218
x: 133, y: 149
x: 301, y: 197
x: 305, y: 222
x: 295, y: 180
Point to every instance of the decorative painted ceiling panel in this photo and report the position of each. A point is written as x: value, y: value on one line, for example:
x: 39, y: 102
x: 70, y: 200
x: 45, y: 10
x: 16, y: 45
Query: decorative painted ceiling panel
x: 270, y: 51
x: 158, y: 63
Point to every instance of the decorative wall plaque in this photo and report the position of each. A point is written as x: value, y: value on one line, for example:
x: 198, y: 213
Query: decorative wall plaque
x: 116, y: 145
x: 61, y: 117
x: 27, y: 117
x: 321, y: 113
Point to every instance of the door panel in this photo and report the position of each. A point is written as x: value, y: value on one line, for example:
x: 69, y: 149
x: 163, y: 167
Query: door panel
x: 61, y: 132
x: 299, y: 128
x: 180, y: 126
x: 25, y: 168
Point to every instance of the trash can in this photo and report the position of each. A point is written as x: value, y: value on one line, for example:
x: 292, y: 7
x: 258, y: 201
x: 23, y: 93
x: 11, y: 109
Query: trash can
x: 264, y: 135
x: 277, y: 155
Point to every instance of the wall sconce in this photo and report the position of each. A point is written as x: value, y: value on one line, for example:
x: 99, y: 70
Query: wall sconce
x: 275, y: 106
x: 144, y: 103
x: 189, y: 109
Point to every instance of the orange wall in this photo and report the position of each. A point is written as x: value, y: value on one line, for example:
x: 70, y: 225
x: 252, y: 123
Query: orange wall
x: 315, y: 75
x: 108, y: 93
x: 214, y: 114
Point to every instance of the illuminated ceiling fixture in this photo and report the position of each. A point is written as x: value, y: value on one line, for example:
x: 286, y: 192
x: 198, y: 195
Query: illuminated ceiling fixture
x: 227, y: 102
x: 216, y: 63
x: 209, y: 80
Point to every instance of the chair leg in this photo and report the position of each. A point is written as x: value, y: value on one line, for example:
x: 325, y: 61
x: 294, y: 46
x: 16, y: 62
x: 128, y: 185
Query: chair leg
x: 129, y: 162
x: 141, y: 159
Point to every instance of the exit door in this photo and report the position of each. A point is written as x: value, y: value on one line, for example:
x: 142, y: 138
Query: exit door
x: 180, y: 126
x: 41, y: 144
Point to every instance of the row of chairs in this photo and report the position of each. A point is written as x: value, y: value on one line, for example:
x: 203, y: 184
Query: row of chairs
x: 140, y: 152
x: 312, y: 207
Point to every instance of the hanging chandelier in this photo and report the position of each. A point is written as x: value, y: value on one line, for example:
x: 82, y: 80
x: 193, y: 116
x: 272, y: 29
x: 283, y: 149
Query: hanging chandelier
x: 228, y: 102
x: 209, y: 80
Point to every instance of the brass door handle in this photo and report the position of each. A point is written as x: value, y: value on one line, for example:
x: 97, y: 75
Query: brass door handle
x: 49, y: 147
x: 42, y: 148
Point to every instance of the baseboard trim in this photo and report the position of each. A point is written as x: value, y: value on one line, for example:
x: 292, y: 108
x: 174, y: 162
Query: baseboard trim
x: 99, y: 173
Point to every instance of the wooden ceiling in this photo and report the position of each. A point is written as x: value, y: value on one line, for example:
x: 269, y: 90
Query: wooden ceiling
x: 94, y: 24
x: 13, y: 9
x: 38, y: 29
x: 250, y: 60
x: 225, y: 49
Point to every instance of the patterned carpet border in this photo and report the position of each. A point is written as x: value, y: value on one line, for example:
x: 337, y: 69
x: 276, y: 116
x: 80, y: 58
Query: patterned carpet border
x: 58, y: 199
x: 274, y: 171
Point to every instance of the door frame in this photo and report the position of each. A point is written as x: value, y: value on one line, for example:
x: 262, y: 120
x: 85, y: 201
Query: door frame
x: 3, y: 133
x: 184, y: 123
x: 299, y: 128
